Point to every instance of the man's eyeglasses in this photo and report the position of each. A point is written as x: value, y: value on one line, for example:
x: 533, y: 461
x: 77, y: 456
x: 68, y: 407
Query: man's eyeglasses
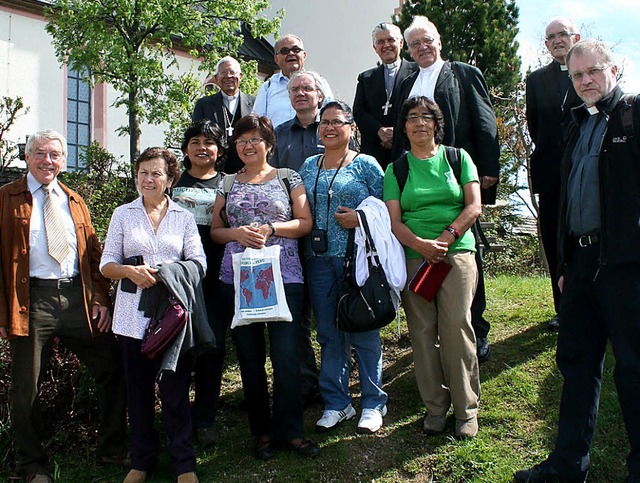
x: 230, y: 73
x: 421, y: 117
x: 564, y: 35
x: 423, y: 41
x: 285, y: 50
x: 241, y: 143
x: 594, y: 71
x: 53, y: 155
x: 333, y: 122
x: 305, y: 88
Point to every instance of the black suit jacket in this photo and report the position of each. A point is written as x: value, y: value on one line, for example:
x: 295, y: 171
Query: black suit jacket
x: 368, y: 112
x: 212, y: 108
x: 469, y: 121
x: 550, y: 96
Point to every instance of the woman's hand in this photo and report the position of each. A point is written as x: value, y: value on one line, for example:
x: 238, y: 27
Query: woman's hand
x: 433, y: 251
x: 347, y: 217
x: 251, y: 236
x: 143, y: 276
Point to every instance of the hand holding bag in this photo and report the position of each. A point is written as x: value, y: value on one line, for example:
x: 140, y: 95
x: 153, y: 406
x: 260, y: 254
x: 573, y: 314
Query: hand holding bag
x: 429, y: 278
x: 369, y: 307
x: 259, y: 288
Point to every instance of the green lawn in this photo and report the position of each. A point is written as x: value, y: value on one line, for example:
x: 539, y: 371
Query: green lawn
x: 518, y: 416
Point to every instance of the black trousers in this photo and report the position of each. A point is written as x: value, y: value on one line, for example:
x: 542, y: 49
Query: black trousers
x: 141, y: 373
x: 598, y: 304
x: 548, y: 203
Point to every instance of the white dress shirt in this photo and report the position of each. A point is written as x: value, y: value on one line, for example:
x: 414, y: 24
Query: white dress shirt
x: 41, y: 264
x: 425, y: 84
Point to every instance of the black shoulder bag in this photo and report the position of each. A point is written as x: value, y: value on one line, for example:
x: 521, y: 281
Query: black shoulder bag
x: 369, y: 307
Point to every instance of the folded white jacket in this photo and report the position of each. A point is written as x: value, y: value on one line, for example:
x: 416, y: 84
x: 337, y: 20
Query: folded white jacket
x: 389, y: 249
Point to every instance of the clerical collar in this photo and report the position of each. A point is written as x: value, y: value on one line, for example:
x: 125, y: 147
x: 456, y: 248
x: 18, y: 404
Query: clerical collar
x: 230, y: 98
x: 393, y: 65
x: 593, y: 110
x: 564, y: 67
x: 437, y: 65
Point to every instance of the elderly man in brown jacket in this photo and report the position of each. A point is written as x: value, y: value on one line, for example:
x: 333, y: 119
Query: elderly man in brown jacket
x: 50, y: 286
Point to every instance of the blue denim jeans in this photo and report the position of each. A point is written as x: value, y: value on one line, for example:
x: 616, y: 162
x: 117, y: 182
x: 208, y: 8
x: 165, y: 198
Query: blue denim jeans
x: 284, y: 421
x: 323, y: 274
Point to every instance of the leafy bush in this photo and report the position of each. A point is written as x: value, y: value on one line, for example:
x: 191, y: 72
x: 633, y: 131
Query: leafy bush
x: 104, y: 184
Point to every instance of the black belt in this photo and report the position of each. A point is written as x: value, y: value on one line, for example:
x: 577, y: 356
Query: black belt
x: 57, y: 284
x: 587, y: 240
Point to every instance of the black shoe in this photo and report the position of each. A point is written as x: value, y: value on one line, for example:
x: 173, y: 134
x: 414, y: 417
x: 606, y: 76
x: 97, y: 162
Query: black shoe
x: 483, y: 349
x: 303, y: 447
x: 554, y: 324
x: 543, y: 473
x: 265, y: 450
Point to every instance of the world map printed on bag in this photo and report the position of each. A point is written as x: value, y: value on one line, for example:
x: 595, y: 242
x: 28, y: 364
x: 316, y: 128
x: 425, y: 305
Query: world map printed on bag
x: 256, y: 285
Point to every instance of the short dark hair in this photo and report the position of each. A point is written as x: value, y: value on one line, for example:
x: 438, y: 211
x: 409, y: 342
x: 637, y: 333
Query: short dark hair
x: 210, y: 130
x: 170, y: 162
x: 341, y: 106
x: 432, y: 108
x: 253, y: 122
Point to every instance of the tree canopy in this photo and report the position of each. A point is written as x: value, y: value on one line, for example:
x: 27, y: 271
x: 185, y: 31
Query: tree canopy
x: 478, y: 32
x: 130, y: 44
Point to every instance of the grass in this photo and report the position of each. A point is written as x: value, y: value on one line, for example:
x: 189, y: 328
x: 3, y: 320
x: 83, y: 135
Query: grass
x: 518, y: 417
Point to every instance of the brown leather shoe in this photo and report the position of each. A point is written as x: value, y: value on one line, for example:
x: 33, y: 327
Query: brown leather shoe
x: 135, y: 476
x: 188, y: 478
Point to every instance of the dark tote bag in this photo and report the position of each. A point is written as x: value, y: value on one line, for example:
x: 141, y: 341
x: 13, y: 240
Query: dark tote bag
x: 369, y: 307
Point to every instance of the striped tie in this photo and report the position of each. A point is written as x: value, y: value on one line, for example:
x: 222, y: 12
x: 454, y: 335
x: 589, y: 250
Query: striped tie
x: 54, y: 227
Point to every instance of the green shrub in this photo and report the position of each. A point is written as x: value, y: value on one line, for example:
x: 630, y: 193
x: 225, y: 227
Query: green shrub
x: 104, y: 184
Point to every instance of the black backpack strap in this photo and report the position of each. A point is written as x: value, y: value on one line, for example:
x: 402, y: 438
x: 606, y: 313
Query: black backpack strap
x: 401, y: 171
x: 454, y: 159
x: 629, y: 103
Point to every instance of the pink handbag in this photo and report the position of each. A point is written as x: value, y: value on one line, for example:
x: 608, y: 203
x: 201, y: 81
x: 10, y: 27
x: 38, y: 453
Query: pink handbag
x: 163, y: 331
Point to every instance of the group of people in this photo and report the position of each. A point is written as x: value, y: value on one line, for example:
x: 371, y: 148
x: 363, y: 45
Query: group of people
x: 282, y: 169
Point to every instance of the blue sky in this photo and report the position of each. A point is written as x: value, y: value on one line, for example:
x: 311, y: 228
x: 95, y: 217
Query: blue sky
x: 616, y: 22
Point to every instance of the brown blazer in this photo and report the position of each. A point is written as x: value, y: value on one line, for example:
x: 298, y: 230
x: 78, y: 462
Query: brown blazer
x: 15, y: 219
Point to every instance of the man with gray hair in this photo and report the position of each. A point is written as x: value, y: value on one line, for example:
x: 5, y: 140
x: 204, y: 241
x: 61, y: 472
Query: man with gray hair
x: 372, y: 104
x: 272, y: 99
x: 599, y: 260
x: 550, y: 97
x: 51, y: 287
x: 227, y: 106
x: 297, y: 138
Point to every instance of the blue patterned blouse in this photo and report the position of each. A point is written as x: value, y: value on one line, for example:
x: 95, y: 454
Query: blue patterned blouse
x: 361, y: 178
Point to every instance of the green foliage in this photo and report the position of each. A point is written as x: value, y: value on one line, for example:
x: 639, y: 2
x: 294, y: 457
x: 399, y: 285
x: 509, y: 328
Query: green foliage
x: 131, y: 44
x: 478, y: 32
x: 104, y: 185
x: 11, y: 108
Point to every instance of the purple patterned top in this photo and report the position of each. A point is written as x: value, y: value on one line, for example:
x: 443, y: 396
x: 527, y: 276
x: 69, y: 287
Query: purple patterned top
x: 262, y: 203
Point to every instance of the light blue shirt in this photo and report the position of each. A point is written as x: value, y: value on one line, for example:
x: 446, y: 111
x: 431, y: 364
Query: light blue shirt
x: 41, y: 264
x: 273, y: 100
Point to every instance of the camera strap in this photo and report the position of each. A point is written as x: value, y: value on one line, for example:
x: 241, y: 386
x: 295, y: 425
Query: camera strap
x: 330, y: 191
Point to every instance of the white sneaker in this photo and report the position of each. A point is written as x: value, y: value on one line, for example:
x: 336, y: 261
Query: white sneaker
x: 331, y: 418
x: 371, y: 420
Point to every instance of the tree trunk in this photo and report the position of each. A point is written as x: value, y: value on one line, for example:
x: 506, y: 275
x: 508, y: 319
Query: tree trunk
x: 134, y: 130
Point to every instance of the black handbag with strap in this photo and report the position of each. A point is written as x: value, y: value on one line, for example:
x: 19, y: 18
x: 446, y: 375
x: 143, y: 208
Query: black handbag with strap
x: 369, y: 307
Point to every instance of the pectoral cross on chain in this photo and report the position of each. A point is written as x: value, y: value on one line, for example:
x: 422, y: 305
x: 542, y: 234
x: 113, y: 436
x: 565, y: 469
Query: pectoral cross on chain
x: 385, y: 108
x: 230, y: 131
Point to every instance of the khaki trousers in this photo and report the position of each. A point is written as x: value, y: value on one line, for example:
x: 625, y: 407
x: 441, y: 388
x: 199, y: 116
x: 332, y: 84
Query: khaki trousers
x: 443, y: 341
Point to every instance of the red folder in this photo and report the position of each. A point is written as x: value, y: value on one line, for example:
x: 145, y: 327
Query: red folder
x: 428, y: 279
